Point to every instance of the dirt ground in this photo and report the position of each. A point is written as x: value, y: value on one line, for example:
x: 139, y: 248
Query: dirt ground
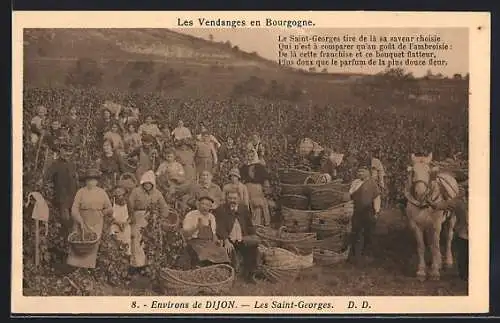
x: 391, y: 274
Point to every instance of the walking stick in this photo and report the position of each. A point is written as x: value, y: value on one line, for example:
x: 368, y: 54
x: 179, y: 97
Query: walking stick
x: 38, y: 150
x: 44, y: 168
x: 37, y: 243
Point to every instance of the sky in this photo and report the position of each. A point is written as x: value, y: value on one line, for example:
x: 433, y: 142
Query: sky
x: 265, y: 43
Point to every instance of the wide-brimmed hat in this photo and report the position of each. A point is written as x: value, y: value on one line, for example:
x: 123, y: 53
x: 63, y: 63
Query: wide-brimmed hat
x: 92, y: 173
x: 235, y: 172
x: 205, y: 197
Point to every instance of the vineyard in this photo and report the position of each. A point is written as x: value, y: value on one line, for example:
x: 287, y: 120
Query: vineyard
x: 233, y: 97
x: 272, y: 119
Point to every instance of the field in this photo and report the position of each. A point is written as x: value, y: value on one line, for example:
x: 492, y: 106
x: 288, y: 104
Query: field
x: 390, y: 274
x: 331, y: 111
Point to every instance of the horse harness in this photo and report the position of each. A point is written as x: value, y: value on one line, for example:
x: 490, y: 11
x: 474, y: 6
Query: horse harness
x: 428, y: 197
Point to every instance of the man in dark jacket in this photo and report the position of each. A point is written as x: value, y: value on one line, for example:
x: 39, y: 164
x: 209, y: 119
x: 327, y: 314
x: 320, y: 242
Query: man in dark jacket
x: 237, y: 232
x: 62, y: 173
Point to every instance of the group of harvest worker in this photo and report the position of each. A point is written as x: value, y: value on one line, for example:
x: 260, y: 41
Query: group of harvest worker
x: 175, y: 170
x: 171, y: 172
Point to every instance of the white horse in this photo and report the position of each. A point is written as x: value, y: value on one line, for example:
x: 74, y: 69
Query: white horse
x: 427, y: 185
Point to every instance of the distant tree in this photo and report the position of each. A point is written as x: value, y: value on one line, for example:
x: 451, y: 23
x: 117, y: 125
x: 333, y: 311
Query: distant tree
x: 85, y: 73
x: 428, y: 75
x: 228, y: 44
x: 211, y: 37
x: 410, y: 76
x: 457, y: 76
x: 312, y: 69
x: 325, y: 70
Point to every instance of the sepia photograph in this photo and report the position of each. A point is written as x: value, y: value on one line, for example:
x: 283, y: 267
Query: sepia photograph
x: 213, y: 161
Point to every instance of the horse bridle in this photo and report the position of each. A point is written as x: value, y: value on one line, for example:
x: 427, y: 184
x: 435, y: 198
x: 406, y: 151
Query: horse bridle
x: 426, y: 193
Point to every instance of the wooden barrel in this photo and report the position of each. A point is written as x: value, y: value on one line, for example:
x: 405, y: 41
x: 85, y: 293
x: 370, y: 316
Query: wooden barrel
x: 326, y: 198
x: 298, y: 202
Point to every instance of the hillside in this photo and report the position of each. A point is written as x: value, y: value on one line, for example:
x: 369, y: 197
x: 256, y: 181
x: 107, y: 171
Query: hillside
x: 152, y: 60
x: 207, y: 68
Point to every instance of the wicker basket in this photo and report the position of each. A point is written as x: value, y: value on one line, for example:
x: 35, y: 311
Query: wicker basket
x: 336, y: 241
x: 460, y: 174
x: 298, y: 202
x: 276, y: 275
x: 326, y: 257
x: 297, y: 220
x: 281, y: 238
x: 317, y: 179
x: 294, y: 189
x: 293, y: 175
x: 181, y: 283
x: 335, y: 219
x: 326, y: 198
x: 82, y: 247
x: 334, y: 185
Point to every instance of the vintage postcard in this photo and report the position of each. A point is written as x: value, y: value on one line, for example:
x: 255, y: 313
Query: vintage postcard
x: 250, y: 162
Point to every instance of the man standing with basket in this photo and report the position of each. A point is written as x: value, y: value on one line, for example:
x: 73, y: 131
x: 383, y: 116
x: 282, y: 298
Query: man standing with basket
x: 365, y: 194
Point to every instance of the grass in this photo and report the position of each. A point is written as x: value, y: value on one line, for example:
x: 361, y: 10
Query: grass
x: 391, y: 273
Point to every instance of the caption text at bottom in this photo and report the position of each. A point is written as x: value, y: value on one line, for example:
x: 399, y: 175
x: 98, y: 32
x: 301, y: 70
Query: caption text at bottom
x: 223, y: 305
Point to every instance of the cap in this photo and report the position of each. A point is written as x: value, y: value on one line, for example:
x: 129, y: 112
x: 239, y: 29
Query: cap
x: 92, y: 173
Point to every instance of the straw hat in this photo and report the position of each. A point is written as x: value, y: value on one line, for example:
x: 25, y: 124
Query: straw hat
x: 206, y: 197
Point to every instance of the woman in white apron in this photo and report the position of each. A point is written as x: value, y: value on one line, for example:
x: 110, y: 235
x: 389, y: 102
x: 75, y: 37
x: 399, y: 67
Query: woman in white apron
x: 143, y: 201
x: 90, y: 206
x: 121, y: 225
